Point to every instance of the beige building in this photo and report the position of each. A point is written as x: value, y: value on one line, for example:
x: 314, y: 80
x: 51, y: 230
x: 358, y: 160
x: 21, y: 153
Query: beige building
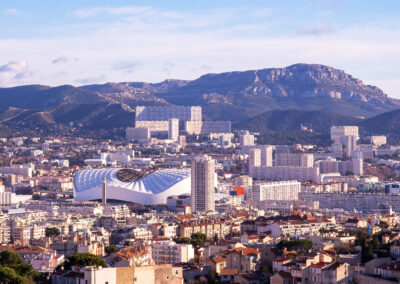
x: 210, y: 228
x: 244, y: 260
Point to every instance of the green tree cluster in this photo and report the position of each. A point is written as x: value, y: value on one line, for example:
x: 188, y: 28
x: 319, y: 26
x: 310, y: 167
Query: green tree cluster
x: 83, y: 259
x: 371, y: 244
x: 111, y: 249
x: 297, y: 245
x: 13, y: 269
x: 52, y: 232
x: 196, y: 239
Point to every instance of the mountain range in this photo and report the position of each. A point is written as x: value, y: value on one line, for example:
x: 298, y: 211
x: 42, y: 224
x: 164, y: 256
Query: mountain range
x: 317, y: 92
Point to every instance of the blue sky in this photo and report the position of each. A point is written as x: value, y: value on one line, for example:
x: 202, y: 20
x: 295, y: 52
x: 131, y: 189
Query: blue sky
x: 85, y: 42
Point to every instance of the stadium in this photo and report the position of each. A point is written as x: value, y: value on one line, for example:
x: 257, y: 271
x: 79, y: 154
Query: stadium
x: 129, y: 185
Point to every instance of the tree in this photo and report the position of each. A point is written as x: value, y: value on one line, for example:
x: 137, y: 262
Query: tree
x: 198, y: 239
x: 111, y: 249
x: 183, y: 240
x: 83, y: 259
x: 298, y: 245
x: 52, y: 232
x: 9, y: 276
x: 13, y: 268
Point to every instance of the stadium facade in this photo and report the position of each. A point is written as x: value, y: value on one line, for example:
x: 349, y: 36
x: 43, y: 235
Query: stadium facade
x: 130, y: 186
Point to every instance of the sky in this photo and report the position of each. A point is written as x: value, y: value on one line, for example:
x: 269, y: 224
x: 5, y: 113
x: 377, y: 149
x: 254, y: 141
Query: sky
x: 82, y: 42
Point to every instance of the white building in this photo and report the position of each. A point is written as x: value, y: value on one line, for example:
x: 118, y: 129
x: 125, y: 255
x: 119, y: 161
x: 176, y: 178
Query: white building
x: 279, y: 190
x: 378, y: 140
x: 164, y: 113
x: 47, y: 261
x: 294, y: 160
x: 246, y: 140
x: 24, y: 170
x: 173, y: 129
x: 285, y: 173
x: 167, y: 251
x: 137, y: 133
x: 337, y: 131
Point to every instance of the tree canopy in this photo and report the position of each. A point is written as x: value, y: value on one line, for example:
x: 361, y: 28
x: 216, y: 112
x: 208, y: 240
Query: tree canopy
x: 198, y: 239
x: 298, y: 245
x: 52, y: 232
x: 83, y: 259
x: 13, y: 269
x: 111, y: 248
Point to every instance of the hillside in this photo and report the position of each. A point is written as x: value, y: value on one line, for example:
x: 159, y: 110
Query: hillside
x: 268, y: 100
x: 285, y: 126
x: 41, y: 97
x: 292, y: 120
x: 240, y: 95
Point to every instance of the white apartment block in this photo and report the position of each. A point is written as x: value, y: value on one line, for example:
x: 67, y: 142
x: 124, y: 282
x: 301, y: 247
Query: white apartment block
x: 153, y: 125
x: 207, y: 127
x: 294, y: 160
x: 295, y: 227
x: 285, y: 173
x: 261, y: 156
x: 164, y: 113
x: 254, y: 158
x: 246, y: 140
x: 164, y: 252
x: 337, y: 131
x: 137, y: 133
x: 279, y: 190
x: 25, y: 170
x: 378, y: 140
x: 328, y: 166
x: 173, y: 129
x: 349, y: 143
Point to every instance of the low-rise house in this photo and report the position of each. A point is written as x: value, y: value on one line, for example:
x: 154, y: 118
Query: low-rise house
x: 47, y: 261
x: 244, y: 260
x: 217, y: 263
x: 135, y: 255
x: 355, y: 224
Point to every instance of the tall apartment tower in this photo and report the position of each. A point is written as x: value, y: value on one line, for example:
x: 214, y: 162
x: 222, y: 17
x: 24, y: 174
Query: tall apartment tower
x: 266, y: 156
x: 349, y: 143
x: 203, y: 192
x: 173, y: 129
x: 255, y: 157
x: 104, y: 192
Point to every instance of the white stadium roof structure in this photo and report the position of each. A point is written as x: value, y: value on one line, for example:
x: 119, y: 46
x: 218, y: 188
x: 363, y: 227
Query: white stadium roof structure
x: 130, y: 186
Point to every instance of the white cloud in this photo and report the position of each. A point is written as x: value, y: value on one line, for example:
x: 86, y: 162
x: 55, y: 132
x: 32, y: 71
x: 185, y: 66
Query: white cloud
x: 11, y: 11
x: 114, y: 11
x: 197, y: 43
x: 14, y: 72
